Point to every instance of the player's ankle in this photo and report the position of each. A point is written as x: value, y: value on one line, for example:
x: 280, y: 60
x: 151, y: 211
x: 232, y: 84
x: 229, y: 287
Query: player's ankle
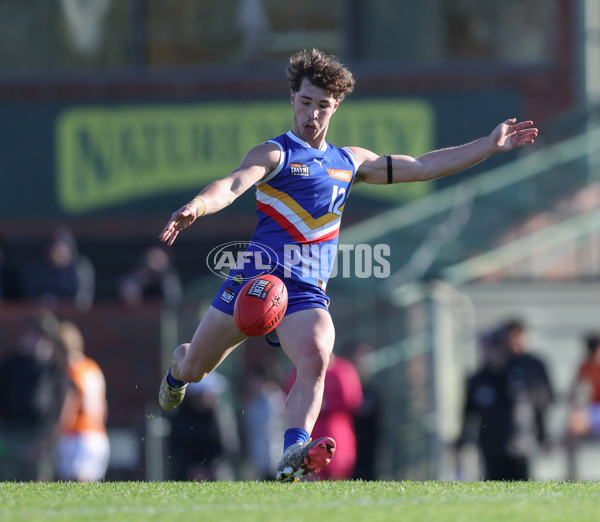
x: 173, y: 382
x: 294, y: 435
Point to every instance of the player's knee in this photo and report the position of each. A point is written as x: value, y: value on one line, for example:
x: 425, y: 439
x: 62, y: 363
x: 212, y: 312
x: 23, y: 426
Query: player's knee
x: 180, y: 353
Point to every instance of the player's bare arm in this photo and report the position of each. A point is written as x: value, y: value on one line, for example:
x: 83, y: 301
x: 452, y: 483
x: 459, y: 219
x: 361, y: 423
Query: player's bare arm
x: 257, y: 163
x: 508, y: 135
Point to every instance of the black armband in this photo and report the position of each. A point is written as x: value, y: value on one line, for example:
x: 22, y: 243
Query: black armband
x: 389, y: 170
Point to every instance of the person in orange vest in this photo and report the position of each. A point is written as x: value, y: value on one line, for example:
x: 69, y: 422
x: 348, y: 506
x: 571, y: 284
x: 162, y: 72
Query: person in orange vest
x: 82, y: 451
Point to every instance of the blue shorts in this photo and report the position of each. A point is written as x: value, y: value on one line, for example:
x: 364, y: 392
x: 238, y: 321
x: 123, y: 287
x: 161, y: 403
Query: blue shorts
x: 301, y: 296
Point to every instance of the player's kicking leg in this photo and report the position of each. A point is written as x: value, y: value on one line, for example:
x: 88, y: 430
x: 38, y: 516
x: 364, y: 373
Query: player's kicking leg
x: 307, y: 338
x: 214, y: 339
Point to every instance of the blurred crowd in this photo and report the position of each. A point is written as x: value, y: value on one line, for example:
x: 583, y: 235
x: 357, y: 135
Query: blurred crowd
x: 508, y: 400
x: 63, y: 274
x: 53, y: 407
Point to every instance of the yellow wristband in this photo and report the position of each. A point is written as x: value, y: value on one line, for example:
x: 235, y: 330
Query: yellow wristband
x: 200, y: 205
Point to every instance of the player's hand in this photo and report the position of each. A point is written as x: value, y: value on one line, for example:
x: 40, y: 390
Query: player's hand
x: 510, y: 134
x: 180, y: 219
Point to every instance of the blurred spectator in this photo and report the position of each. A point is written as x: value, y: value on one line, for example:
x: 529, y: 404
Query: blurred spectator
x: 584, y: 414
x: 342, y: 398
x: 585, y: 400
x: 366, y: 419
x: 508, y: 398
x: 534, y: 371
x: 83, y: 449
x: 204, y: 441
x: 154, y: 277
x: 10, y: 283
x: 63, y: 275
x: 515, y: 332
x: 263, y: 404
x: 33, y: 391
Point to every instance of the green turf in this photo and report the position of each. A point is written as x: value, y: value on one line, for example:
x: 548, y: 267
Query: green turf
x: 331, y: 501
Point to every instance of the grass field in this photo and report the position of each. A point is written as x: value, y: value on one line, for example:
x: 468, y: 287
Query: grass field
x: 331, y: 501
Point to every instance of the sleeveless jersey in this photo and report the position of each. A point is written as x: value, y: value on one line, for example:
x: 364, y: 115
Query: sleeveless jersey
x: 300, y: 206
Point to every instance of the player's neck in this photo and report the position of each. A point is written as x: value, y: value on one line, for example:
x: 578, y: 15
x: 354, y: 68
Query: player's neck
x: 317, y: 143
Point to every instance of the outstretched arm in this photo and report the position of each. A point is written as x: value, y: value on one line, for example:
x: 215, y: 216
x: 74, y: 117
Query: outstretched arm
x: 506, y: 136
x: 257, y: 163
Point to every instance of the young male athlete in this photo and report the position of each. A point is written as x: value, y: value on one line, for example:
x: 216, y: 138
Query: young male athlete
x: 302, y: 183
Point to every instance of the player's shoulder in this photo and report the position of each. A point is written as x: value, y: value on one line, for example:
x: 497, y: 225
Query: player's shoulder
x: 267, y: 153
x: 267, y: 147
x: 361, y: 154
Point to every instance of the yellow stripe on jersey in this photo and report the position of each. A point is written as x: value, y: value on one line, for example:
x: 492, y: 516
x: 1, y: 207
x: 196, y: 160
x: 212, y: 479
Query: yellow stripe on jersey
x: 301, y: 213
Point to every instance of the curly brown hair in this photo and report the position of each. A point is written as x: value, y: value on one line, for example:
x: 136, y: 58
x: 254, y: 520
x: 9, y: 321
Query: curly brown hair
x: 322, y: 70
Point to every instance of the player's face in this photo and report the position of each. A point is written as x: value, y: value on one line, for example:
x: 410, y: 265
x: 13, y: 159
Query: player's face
x: 313, y: 108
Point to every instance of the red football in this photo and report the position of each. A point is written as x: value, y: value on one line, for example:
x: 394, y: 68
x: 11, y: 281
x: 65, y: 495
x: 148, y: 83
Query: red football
x: 260, y: 305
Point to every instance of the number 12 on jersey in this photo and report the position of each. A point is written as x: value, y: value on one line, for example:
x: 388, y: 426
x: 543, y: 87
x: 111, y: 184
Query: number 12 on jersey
x: 337, y: 198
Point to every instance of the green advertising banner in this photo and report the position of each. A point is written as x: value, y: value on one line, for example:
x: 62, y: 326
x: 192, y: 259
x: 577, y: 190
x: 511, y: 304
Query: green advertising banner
x: 115, y: 154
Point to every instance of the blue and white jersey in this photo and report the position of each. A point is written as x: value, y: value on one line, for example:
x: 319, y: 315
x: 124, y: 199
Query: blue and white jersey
x: 300, y: 206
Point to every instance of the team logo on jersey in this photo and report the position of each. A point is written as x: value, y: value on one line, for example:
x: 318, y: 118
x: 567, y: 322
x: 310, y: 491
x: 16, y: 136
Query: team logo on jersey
x: 344, y: 175
x: 238, y: 279
x: 299, y: 169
